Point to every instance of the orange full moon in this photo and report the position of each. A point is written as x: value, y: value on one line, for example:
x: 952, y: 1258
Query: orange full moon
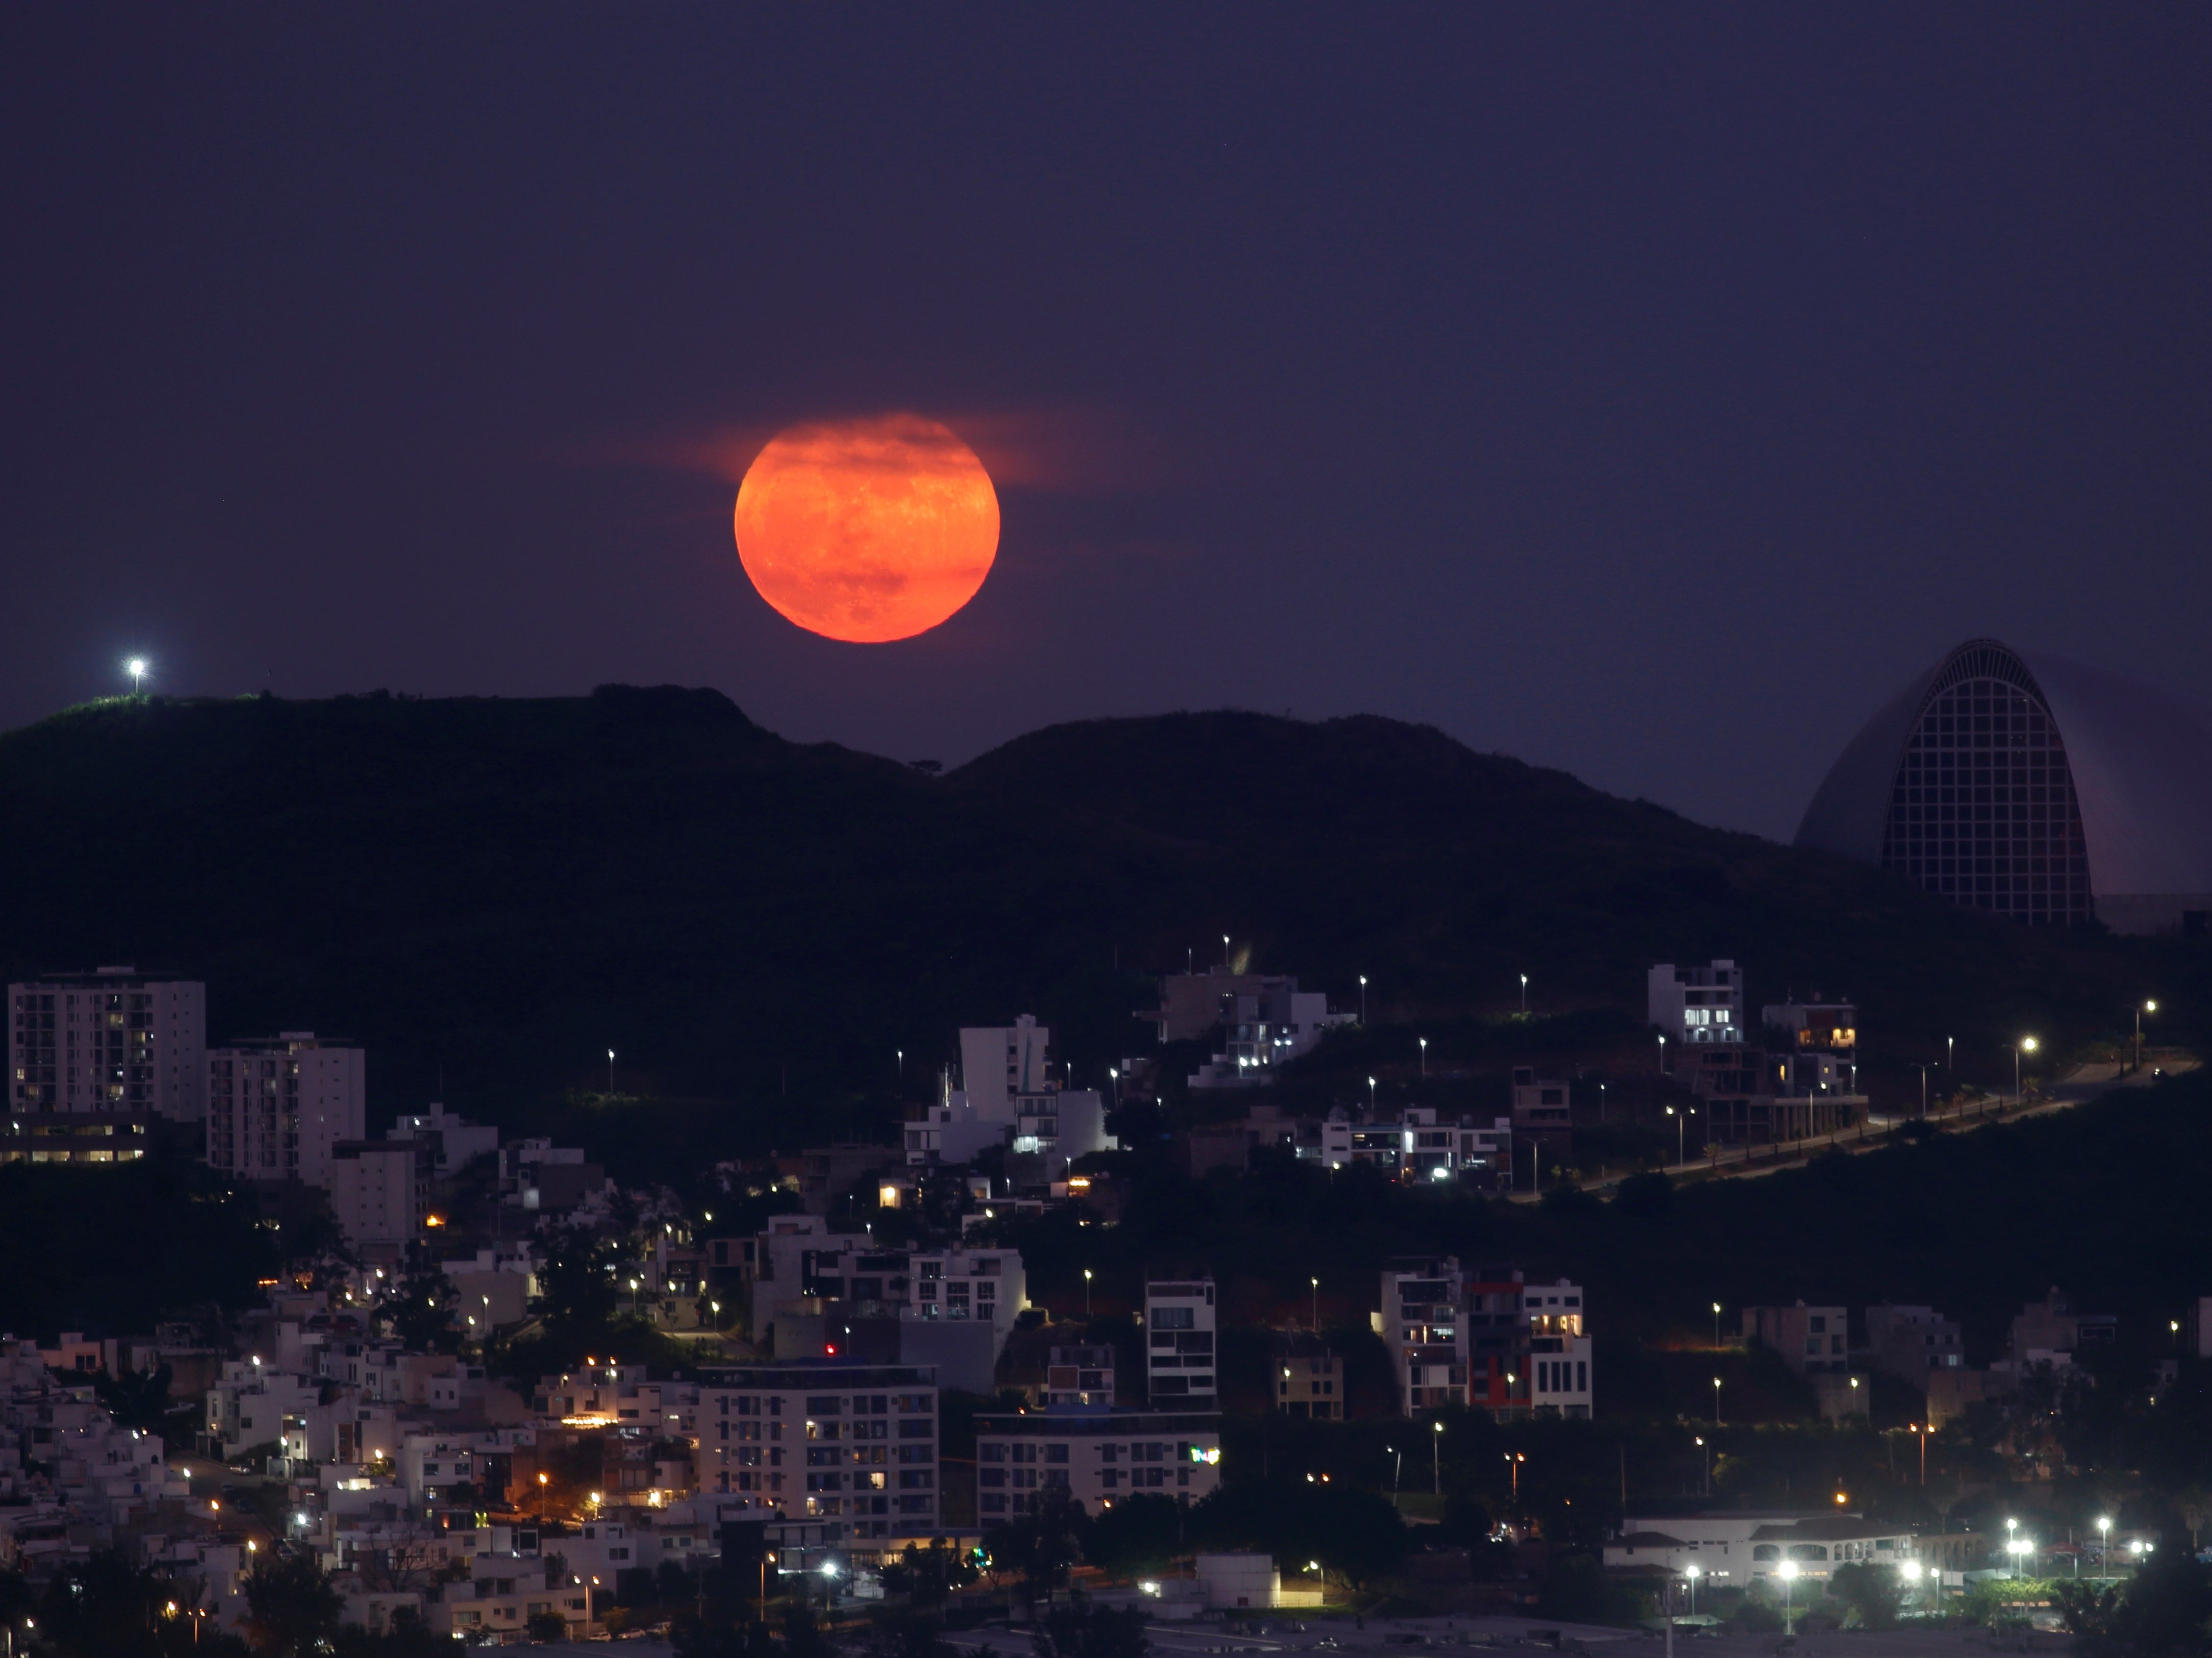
x: 867, y: 530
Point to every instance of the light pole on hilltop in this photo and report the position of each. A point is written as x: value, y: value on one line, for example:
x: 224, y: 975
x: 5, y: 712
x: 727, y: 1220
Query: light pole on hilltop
x: 1397, y: 1468
x: 1086, y: 1292
x: 1524, y: 996
x: 1437, y: 1458
x: 1717, y: 1327
x: 2026, y: 1045
x: 1423, y: 1041
x: 1717, y: 1401
x: 901, y: 1052
x: 1513, y: 1461
x: 1662, y: 1053
x: 1316, y: 1283
x: 2143, y: 1008
x: 1225, y: 952
x: 1362, y: 999
x: 1922, y: 1070
x: 1708, y: 1450
x: 1370, y: 1096
x: 137, y: 668
x: 1921, y: 1429
x: 1951, y: 1065
x: 1600, y: 1105
x: 610, y: 1073
x: 1680, y: 1124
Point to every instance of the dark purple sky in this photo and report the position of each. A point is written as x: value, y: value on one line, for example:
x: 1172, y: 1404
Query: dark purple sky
x: 1646, y: 391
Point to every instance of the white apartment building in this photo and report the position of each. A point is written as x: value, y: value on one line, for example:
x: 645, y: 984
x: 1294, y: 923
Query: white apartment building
x: 1418, y: 1144
x: 277, y: 1106
x: 1558, y: 1362
x: 1697, y: 1004
x: 380, y: 1192
x: 457, y: 1141
x: 855, y: 1444
x: 1096, y: 1456
x: 998, y: 1062
x: 798, y: 1259
x: 253, y: 1403
x: 114, y: 1040
x: 1181, y: 1323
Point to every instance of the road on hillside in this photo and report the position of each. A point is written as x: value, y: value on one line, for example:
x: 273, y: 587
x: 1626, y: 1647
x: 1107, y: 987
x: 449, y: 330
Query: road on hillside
x: 2084, y: 1082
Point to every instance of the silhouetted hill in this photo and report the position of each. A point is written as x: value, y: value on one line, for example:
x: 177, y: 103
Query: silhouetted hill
x: 500, y: 890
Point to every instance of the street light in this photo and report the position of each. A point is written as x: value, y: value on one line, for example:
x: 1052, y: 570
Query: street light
x: 2147, y: 1007
x: 1397, y: 1468
x: 2026, y: 1045
x: 1921, y: 1429
x: 136, y: 668
x: 610, y: 1072
x: 1680, y: 1124
x: 2105, y: 1543
x: 1691, y: 1572
x: 1708, y: 1450
x: 1717, y: 1401
x: 1086, y: 1292
x: 1513, y: 1461
x: 1788, y: 1571
x: 1436, y: 1458
x: 1717, y: 1327
x: 1423, y: 1041
x: 1316, y: 1283
x: 1370, y: 1096
x: 1662, y: 1053
x: 1524, y: 996
x: 1362, y: 999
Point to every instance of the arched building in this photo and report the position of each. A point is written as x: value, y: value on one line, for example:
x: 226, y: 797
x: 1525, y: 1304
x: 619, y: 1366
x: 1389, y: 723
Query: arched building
x: 2038, y: 789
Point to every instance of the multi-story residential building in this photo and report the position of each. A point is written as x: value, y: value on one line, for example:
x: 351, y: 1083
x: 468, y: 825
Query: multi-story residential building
x: 1812, y: 1340
x: 1267, y: 1021
x: 1559, y: 1349
x: 999, y: 1062
x: 114, y: 1041
x: 1697, y: 1004
x: 1486, y: 1338
x: 1419, y: 1145
x: 456, y: 1141
x: 1814, y: 1045
x: 1096, y: 1456
x: 1307, y: 1376
x: 1180, y: 1322
x: 1078, y: 1376
x: 798, y: 1265
x: 253, y: 1404
x: 1422, y: 1326
x: 1908, y: 1342
x: 379, y: 1193
x: 855, y: 1444
x: 278, y: 1107
x: 1747, y: 1094
x: 2052, y: 1332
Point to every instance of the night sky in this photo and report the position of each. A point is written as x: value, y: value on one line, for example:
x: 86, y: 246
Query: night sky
x: 1642, y: 391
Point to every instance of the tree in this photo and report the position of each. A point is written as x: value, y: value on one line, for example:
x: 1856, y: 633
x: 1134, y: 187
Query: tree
x: 1040, y: 1543
x: 1081, y: 1629
x: 2162, y: 1609
x: 1138, y: 1534
x: 926, y: 1577
x: 1872, y: 1591
x: 578, y: 1290
x: 291, y: 1608
x: 908, y: 1635
x: 547, y: 1625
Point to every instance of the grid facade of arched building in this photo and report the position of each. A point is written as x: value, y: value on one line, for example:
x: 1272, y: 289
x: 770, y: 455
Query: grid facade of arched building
x: 1984, y: 811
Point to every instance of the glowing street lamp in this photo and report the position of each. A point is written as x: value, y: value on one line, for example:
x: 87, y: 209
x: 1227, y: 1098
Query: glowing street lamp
x: 136, y: 668
x: 1717, y: 1401
x: 1681, y: 1124
x: 1663, y: 1053
x: 610, y: 1072
x: 1717, y: 1327
x: 1362, y: 1001
x: 1524, y: 996
x: 2142, y: 1008
x: 1423, y: 1041
x: 1315, y: 1283
x: 1691, y: 1572
x: 1086, y: 1292
x: 1788, y: 1571
x: 2026, y: 1045
x: 1436, y: 1458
